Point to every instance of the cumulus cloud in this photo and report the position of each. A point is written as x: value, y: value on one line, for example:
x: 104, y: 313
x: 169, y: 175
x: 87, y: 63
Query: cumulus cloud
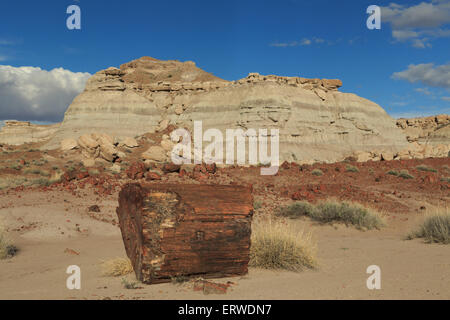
x: 29, y: 93
x: 420, y: 23
x: 427, y: 74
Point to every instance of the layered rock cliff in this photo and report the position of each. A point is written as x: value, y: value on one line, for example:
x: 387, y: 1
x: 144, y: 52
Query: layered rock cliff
x: 316, y: 121
x: 20, y: 132
x: 430, y: 130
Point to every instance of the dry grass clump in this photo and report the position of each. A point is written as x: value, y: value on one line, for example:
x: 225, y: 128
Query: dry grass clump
x: 434, y: 228
x: 116, y: 267
x: 334, y: 211
x: 7, y: 249
x: 276, y: 245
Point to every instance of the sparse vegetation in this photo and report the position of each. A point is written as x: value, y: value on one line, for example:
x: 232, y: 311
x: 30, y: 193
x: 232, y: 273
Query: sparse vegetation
x: 297, y: 209
x: 179, y: 279
x: 425, y: 168
x: 257, y: 205
x: 350, y: 168
x: 445, y: 179
x: 116, y: 267
x: 333, y: 211
x: 317, y: 172
x: 129, y: 284
x: 434, y: 228
x: 278, y: 246
x: 7, y: 249
x: 393, y: 172
x: 93, y: 172
x: 405, y: 175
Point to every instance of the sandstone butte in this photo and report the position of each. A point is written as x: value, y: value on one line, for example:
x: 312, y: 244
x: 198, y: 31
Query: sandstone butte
x: 316, y: 121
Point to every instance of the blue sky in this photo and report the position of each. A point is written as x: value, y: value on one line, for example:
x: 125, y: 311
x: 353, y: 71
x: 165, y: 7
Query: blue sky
x: 404, y: 67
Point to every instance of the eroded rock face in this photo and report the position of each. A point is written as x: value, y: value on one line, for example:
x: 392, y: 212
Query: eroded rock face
x: 433, y: 130
x: 316, y: 121
x: 20, y: 132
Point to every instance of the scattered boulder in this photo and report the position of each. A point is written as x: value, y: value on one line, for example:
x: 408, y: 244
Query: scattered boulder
x: 129, y: 142
x: 152, y: 176
x: 155, y: 153
x: 116, y: 168
x: 88, y: 162
x: 136, y: 171
x: 68, y: 144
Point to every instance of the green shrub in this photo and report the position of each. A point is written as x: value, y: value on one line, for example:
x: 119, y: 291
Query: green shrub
x: 332, y: 211
x: 425, y: 168
x: 350, y: 168
x: 393, y: 172
x: 405, y: 175
x: 435, y: 228
x: 317, y: 172
x: 297, y: 209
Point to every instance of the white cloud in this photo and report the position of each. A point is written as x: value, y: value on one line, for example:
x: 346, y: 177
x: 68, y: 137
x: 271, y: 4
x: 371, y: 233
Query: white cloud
x: 303, y: 42
x: 29, y: 93
x: 420, y: 23
x: 423, y: 90
x: 427, y: 74
x: 445, y: 98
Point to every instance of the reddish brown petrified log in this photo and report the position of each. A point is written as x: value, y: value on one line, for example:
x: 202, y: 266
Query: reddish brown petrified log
x: 184, y: 230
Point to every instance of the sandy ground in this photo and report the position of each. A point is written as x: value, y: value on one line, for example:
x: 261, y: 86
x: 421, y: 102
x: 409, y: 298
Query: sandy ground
x: 44, y: 225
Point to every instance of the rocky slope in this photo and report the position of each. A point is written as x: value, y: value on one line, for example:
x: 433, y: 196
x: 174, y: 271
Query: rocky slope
x: 316, y: 121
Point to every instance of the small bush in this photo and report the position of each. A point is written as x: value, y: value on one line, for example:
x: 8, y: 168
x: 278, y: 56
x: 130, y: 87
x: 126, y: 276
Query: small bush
x: 277, y: 246
x: 405, y: 175
x: 116, y: 267
x: 348, y: 213
x: 435, y: 228
x: 7, y: 249
x: 129, y: 284
x: 445, y: 179
x: 297, y: 209
x: 317, y: 172
x: 350, y: 168
x: 45, y: 182
x: 425, y: 168
x: 93, y: 172
x: 257, y: 205
x: 393, y: 173
x: 332, y: 211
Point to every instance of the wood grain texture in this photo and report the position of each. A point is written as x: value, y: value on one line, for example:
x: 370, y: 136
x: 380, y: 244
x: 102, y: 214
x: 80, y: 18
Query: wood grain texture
x: 184, y: 230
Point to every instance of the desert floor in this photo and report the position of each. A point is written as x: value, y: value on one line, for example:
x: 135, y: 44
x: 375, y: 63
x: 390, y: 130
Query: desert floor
x: 45, y: 224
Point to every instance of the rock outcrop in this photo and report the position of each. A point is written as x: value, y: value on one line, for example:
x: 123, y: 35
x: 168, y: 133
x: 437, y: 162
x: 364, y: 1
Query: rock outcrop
x: 316, y: 121
x: 430, y: 130
x: 20, y: 132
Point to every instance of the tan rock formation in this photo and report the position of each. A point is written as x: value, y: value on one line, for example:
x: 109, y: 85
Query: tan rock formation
x: 20, y: 132
x: 316, y: 121
x: 434, y: 129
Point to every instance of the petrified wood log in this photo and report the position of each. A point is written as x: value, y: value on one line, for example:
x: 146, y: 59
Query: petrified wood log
x: 184, y: 230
